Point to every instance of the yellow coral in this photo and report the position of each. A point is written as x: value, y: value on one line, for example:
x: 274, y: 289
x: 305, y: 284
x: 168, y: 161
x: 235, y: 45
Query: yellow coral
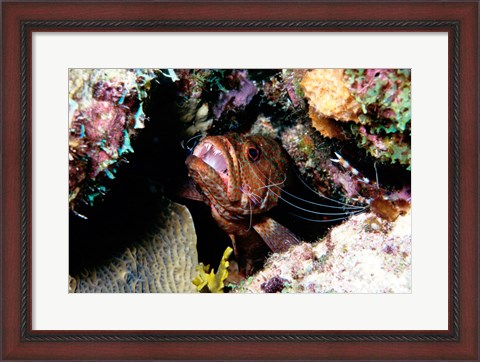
x: 326, y: 126
x: 328, y: 95
x: 213, y: 282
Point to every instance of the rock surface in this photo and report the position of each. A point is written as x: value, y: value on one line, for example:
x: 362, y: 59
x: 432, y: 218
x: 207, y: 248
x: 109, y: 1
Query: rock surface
x: 363, y: 255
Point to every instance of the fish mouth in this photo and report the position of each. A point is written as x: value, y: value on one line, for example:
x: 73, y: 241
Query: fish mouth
x: 214, y: 157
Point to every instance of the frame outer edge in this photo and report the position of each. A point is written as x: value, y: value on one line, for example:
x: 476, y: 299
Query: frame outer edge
x: 27, y: 26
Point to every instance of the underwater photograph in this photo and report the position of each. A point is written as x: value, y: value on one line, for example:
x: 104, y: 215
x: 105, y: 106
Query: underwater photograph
x: 239, y: 180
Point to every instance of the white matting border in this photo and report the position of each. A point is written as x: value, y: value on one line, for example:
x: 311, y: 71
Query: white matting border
x: 425, y: 308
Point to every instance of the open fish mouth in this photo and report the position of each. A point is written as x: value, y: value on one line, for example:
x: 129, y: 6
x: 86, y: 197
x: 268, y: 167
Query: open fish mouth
x: 212, y: 156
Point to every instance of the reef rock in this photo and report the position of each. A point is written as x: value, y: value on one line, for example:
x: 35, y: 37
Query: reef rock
x: 365, y: 254
x: 164, y: 262
x: 105, y: 114
x: 370, y: 106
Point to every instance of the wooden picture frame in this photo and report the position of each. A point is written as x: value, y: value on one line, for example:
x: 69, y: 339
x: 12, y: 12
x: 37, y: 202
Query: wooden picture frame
x: 21, y: 19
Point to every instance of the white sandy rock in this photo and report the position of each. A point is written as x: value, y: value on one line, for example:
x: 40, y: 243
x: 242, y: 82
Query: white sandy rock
x: 363, y: 255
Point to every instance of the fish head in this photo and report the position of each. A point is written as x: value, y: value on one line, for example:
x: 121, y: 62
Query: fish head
x: 242, y: 174
x: 211, y: 166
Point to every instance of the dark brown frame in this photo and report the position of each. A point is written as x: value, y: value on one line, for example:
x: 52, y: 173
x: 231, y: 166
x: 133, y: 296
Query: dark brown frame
x: 20, y: 19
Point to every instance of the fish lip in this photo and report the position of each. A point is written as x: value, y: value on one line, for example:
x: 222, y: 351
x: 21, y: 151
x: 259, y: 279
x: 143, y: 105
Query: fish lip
x: 214, y: 154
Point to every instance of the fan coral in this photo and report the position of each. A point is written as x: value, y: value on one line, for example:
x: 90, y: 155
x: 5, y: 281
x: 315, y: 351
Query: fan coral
x: 163, y: 262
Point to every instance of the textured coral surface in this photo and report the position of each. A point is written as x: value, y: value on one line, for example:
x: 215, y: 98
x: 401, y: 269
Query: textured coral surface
x: 363, y: 255
x: 164, y: 261
x: 329, y: 96
x: 370, y: 106
x: 105, y: 112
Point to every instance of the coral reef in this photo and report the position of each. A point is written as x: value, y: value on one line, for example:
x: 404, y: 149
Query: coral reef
x: 384, y: 95
x: 371, y: 106
x: 241, y: 93
x: 194, y: 112
x: 311, y: 154
x: 284, y: 90
x: 328, y: 95
x: 347, y: 135
x: 105, y: 114
x: 213, y: 99
x: 363, y: 255
x: 164, y: 261
x: 264, y: 126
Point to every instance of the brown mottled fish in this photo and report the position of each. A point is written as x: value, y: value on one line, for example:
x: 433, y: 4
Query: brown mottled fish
x: 241, y: 178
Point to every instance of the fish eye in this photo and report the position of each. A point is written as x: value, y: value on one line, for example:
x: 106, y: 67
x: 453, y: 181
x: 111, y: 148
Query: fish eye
x: 253, y: 153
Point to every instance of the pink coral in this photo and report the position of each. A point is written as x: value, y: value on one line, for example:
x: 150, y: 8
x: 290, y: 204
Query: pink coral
x: 105, y: 110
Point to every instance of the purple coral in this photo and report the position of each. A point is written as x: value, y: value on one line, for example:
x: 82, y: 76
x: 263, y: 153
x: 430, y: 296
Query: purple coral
x: 238, y: 97
x: 274, y: 285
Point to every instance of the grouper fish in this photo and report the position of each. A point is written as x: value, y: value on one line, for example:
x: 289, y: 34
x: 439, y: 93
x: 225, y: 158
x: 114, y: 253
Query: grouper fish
x: 241, y: 178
